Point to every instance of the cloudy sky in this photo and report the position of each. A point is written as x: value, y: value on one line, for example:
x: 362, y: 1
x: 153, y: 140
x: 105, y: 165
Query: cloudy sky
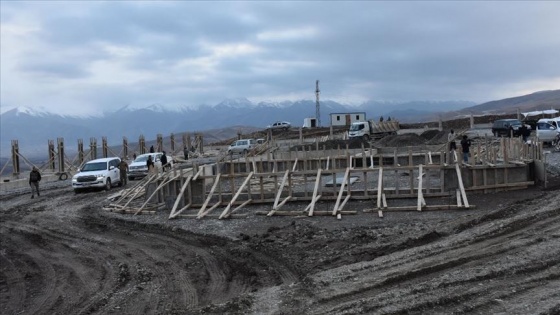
x: 84, y: 57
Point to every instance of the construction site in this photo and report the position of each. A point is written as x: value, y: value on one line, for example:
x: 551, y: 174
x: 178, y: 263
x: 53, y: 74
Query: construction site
x: 307, y: 222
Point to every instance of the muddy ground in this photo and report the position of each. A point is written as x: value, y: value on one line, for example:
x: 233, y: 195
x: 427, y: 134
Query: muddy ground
x: 62, y: 254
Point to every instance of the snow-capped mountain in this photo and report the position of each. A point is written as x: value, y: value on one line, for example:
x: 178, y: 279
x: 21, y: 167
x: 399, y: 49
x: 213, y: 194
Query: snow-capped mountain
x: 33, y: 128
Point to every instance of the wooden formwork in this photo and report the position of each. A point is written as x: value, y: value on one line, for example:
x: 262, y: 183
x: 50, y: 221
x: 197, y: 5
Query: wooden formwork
x: 224, y: 190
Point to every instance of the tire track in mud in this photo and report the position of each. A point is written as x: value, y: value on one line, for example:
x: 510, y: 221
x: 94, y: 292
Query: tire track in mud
x: 91, y: 263
x: 510, y: 247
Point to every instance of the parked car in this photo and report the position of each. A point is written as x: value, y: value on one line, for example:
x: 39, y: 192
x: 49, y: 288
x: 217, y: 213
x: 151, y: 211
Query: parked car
x: 280, y: 125
x: 546, y: 132
x: 99, y: 173
x: 242, y: 146
x: 504, y: 127
x: 138, y: 168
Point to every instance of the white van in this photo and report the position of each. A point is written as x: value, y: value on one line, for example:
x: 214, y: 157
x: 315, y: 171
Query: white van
x: 548, y: 129
x: 99, y: 173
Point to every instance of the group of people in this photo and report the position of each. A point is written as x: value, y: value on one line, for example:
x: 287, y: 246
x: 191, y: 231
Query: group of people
x: 465, y: 145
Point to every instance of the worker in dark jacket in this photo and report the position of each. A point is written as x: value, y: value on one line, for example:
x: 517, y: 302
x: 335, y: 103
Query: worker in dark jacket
x: 466, y: 144
x: 164, y: 164
x: 34, y: 179
x: 123, y: 169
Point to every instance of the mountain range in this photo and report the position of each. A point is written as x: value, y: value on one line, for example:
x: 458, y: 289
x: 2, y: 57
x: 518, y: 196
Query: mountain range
x: 34, y: 128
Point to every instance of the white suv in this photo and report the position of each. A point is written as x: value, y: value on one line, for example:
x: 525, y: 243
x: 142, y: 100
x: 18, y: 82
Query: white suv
x: 280, y: 125
x: 242, y: 146
x: 100, y: 173
x: 139, y: 168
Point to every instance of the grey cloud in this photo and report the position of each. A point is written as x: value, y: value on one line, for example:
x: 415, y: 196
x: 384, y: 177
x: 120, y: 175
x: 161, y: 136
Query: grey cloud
x: 396, y: 50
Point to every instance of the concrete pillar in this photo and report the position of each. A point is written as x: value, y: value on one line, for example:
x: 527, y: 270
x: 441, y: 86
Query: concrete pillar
x: 80, y: 151
x: 15, y: 158
x: 141, y: 144
x: 472, y: 121
x: 104, y: 147
x: 188, y: 138
x: 60, y: 144
x: 93, y: 148
x: 159, y: 143
x: 172, y: 142
x: 52, y: 163
x: 125, y: 147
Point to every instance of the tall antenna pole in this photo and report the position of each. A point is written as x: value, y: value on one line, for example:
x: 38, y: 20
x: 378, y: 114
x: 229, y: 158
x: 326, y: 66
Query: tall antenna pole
x: 317, y: 106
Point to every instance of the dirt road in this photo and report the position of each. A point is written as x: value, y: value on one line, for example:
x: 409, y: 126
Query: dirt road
x: 62, y: 254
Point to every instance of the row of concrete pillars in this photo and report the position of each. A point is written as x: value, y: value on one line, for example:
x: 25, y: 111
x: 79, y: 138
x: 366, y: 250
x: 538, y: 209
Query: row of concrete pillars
x: 57, y: 159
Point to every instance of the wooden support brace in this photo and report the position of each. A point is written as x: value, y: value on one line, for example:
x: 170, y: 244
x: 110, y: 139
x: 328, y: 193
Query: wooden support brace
x: 180, y: 197
x: 210, y: 194
x: 315, y: 191
x: 461, y: 186
x: 379, y: 187
x: 226, y: 210
x: 341, y: 191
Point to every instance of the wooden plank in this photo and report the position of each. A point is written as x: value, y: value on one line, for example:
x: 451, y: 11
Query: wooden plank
x: 459, y: 203
x: 279, y: 192
x: 279, y: 206
x: 312, y: 202
x: 379, y: 187
x: 461, y: 186
x: 226, y: 210
x: 199, y: 173
x: 315, y: 191
x: 343, y: 203
x: 150, y: 178
x: 210, y: 194
x: 341, y: 191
x: 420, y: 202
x: 180, y: 197
x: 164, y: 180
x: 202, y: 215
x: 427, y: 208
x: 384, y: 201
x: 239, y: 207
x: 231, y: 216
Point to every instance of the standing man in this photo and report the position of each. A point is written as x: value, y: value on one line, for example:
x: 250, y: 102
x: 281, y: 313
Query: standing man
x: 150, y: 165
x: 452, y: 145
x: 152, y: 149
x: 123, y: 168
x: 34, y: 179
x: 465, y: 144
x: 164, y: 164
x: 186, y: 153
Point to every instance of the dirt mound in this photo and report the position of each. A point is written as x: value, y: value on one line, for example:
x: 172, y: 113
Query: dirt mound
x: 333, y: 144
x: 407, y: 139
x: 435, y: 136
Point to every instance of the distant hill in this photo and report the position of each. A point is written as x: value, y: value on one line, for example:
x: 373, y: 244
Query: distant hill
x: 525, y: 103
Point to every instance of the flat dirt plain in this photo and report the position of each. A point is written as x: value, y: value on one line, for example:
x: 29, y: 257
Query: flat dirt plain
x: 62, y: 254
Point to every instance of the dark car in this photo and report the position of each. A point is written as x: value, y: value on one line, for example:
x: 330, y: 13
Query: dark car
x: 505, y: 127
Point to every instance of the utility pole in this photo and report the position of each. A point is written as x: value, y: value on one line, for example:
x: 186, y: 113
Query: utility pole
x: 317, y: 106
